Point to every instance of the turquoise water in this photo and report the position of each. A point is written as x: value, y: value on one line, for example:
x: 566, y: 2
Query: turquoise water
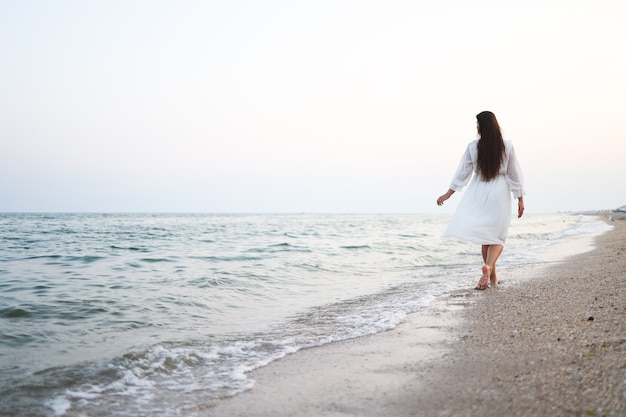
x: 153, y: 314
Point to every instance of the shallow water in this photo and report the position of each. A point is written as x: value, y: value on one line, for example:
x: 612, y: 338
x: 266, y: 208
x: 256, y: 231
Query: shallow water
x: 144, y: 314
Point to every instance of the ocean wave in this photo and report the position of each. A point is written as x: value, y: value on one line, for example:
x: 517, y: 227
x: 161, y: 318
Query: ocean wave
x: 355, y: 247
x: 145, y: 308
x: 149, y: 381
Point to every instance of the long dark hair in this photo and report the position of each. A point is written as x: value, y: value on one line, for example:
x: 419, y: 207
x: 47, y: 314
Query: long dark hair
x: 490, y: 146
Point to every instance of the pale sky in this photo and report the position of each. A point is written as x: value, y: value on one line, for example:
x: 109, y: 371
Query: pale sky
x: 304, y: 106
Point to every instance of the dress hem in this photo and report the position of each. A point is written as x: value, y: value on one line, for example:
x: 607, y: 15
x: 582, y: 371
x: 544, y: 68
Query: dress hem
x: 469, y: 240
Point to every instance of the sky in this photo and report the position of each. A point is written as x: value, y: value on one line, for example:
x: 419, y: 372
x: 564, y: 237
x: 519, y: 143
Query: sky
x: 304, y: 106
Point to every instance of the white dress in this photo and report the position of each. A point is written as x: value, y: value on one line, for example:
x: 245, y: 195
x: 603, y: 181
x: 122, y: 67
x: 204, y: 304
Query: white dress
x: 484, y: 214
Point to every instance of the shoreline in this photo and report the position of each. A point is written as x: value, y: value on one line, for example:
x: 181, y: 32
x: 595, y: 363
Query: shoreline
x: 529, y: 347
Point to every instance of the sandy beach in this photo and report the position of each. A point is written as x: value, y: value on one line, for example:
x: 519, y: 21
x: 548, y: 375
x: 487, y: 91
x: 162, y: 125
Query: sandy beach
x: 549, y: 341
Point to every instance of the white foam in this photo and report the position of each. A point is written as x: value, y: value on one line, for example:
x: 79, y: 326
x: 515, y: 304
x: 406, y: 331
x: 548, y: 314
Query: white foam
x: 574, y: 240
x: 575, y: 244
x: 91, y: 394
x: 59, y: 405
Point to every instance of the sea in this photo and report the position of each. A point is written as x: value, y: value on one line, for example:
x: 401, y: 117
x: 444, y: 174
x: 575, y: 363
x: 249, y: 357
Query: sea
x: 160, y: 314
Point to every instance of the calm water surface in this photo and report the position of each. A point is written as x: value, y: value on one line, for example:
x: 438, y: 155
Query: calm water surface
x: 142, y: 315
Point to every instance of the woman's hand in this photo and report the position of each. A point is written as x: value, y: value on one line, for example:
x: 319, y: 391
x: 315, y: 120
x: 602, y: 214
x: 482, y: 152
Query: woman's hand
x: 520, y: 207
x: 444, y: 197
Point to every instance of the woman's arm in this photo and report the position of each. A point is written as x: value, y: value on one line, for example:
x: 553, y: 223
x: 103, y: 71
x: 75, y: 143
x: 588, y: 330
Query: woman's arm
x: 514, y: 177
x: 464, y: 171
x: 461, y: 177
x: 520, y: 207
x: 444, y: 197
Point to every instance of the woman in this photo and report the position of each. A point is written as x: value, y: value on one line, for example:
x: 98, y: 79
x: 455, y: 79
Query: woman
x: 484, y: 213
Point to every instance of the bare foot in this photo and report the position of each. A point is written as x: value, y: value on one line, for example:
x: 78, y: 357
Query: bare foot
x: 484, y: 280
x: 493, y: 279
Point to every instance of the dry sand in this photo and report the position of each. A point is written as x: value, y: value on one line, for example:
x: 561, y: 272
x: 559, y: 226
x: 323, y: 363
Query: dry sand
x: 550, y: 341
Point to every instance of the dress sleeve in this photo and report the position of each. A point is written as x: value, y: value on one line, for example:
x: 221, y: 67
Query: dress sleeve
x: 514, y: 177
x: 464, y: 171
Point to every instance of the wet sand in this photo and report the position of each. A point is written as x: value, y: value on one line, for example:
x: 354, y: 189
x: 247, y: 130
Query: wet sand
x: 551, y: 340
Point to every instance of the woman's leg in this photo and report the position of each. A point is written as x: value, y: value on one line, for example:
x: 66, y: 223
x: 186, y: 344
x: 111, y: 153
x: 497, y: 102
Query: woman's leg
x: 483, y: 283
x: 492, y: 275
x: 491, y: 253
